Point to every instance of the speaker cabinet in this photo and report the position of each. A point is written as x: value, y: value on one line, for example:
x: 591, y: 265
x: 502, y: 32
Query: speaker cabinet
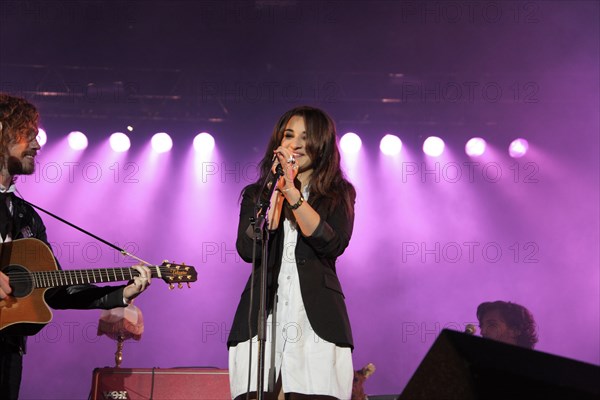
x: 464, y: 367
x: 160, y: 384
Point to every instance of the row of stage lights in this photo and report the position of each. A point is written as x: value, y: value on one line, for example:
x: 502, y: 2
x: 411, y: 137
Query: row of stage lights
x: 350, y: 143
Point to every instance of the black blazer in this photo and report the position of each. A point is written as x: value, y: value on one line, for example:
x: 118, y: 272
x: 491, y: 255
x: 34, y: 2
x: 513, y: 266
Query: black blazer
x: 316, y: 260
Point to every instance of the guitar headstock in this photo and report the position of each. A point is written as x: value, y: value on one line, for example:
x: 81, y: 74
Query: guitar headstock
x: 178, y: 274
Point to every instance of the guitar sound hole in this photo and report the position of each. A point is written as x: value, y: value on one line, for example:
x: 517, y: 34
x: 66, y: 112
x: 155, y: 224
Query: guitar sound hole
x: 21, y: 281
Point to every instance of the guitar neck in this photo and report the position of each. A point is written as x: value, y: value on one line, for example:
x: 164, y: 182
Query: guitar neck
x: 48, y: 279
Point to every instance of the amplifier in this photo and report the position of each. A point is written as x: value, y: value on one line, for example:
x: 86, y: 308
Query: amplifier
x: 160, y: 384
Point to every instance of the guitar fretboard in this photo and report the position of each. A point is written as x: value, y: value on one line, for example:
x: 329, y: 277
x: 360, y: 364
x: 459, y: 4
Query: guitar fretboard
x: 47, y: 279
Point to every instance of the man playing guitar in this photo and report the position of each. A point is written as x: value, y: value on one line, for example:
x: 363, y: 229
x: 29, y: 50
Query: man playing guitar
x: 18, y: 220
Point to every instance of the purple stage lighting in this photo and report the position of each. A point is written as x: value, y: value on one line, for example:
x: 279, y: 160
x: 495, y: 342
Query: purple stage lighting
x: 204, y: 143
x: 350, y: 143
x: 42, y: 138
x: 161, y: 142
x: 518, y: 148
x: 77, y: 140
x: 433, y: 146
x: 475, y: 147
x: 390, y: 145
x: 119, y: 142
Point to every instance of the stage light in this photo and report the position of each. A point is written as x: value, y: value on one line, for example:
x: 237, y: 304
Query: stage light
x: 350, y: 143
x: 475, y: 147
x: 433, y: 146
x: 77, y: 140
x: 119, y: 142
x: 42, y: 138
x: 130, y: 128
x: 518, y: 148
x: 390, y: 145
x: 204, y: 143
x: 161, y: 142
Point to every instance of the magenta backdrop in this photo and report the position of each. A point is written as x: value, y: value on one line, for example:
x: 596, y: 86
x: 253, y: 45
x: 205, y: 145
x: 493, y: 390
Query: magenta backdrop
x: 432, y: 239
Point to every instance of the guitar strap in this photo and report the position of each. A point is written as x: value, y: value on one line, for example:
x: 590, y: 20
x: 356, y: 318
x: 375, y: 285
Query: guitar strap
x: 120, y: 250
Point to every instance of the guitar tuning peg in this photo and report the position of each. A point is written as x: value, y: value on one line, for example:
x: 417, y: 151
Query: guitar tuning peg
x: 189, y: 286
x: 171, y: 287
x: 179, y: 285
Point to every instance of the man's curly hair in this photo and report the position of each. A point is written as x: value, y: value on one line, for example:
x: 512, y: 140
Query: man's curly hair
x: 19, y: 118
x: 516, y: 317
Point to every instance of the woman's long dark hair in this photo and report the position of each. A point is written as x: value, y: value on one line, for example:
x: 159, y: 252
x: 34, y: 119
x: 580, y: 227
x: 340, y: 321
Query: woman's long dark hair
x: 327, y: 180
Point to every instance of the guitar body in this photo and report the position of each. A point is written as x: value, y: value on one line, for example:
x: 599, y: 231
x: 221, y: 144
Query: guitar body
x: 25, y: 312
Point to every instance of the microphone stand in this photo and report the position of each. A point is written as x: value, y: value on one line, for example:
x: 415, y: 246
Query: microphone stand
x: 261, y: 232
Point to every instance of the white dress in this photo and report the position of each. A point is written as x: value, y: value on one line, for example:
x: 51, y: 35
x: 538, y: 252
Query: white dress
x: 307, y: 363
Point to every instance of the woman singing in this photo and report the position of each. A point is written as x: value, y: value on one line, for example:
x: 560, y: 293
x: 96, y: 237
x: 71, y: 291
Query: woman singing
x: 309, y: 344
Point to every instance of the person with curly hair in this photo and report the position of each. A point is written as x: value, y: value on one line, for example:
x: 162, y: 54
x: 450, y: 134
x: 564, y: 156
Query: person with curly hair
x: 507, y: 322
x: 18, y: 220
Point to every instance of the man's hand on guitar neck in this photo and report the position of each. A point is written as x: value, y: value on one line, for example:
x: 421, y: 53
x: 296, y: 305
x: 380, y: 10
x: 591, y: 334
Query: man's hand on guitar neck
x: 131, y: 291
x: 5, y: 288
x: 138, y: 285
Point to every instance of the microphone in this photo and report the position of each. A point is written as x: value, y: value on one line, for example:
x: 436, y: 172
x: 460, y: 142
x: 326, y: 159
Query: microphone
x: 470, y: 329
x: 266, y: 192
x: 278, y: 173
x: 278, y: 168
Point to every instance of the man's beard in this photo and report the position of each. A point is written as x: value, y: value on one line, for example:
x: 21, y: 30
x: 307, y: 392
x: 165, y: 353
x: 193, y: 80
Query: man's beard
x: 20, y: 167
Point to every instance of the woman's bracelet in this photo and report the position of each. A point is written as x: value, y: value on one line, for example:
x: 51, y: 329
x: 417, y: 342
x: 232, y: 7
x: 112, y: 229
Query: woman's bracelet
x: 298, y: 203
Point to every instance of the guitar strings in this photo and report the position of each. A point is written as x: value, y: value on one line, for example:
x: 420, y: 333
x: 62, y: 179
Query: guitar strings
x: 26, y: 276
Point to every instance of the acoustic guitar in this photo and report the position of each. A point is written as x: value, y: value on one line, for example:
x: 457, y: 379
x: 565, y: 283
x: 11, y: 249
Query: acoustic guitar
x: 32, y: 269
